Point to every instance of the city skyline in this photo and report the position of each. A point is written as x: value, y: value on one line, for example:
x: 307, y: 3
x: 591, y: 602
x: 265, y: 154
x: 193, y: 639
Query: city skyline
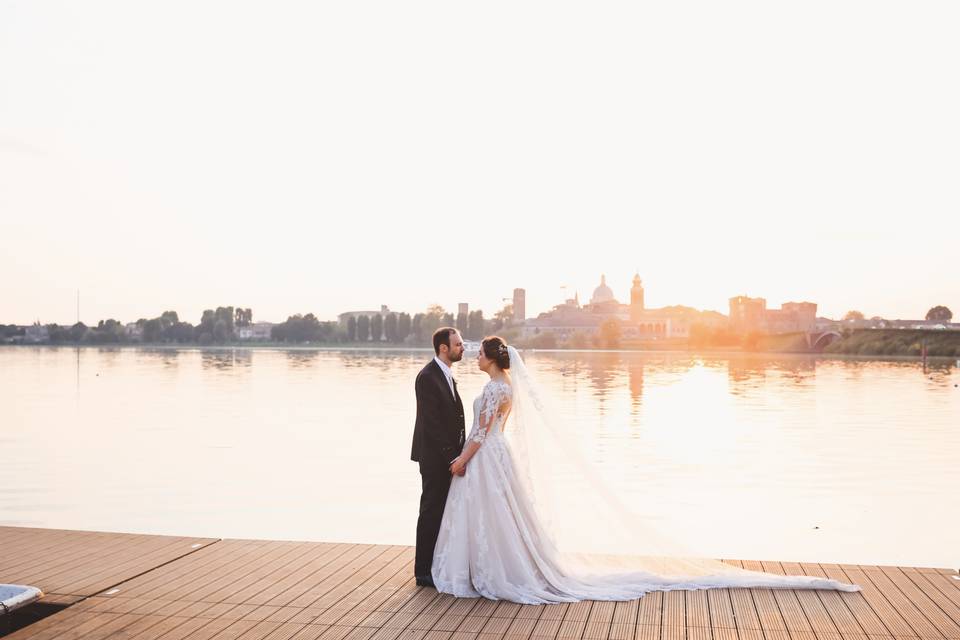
x: 453, y: 308
x: 341, y: 163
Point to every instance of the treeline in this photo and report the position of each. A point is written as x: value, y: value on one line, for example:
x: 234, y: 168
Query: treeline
x: 897, y: 342
x: 401, y: 328
x: 216, y: 326
x: 224, y: 325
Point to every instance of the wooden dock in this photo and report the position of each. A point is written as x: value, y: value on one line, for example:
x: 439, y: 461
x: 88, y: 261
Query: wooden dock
x: 126, y: 586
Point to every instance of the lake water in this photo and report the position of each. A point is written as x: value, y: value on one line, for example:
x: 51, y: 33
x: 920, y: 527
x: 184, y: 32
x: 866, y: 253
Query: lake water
x: 745, y: 456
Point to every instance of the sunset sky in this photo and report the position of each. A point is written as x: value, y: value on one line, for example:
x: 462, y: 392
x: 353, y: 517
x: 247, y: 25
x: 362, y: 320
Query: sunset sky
x: 324, y: 157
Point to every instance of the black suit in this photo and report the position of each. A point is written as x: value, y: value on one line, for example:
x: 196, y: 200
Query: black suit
x: 438, y: 438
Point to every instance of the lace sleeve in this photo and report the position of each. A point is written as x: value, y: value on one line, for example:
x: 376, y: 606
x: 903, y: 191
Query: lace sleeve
x: 493, y: 398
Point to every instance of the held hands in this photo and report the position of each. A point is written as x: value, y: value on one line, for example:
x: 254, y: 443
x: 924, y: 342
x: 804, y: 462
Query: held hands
x: 459, y: 466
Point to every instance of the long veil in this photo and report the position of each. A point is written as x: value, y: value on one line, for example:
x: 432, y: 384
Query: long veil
x: 592, y: 534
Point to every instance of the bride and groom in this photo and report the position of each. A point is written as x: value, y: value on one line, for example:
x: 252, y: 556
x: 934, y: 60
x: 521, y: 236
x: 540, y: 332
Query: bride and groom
x: 493, y: 501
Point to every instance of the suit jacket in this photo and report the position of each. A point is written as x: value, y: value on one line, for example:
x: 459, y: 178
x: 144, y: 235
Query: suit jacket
x: 439, y: 432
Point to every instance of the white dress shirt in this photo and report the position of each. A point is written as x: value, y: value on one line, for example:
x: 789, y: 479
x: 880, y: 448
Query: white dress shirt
x: 447, y: 374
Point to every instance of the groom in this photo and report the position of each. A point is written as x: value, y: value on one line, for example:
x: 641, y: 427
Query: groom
x: 438, y: 438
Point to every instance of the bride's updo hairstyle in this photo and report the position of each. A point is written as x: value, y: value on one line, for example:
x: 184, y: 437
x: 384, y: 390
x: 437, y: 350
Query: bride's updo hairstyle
x: 495, y: 348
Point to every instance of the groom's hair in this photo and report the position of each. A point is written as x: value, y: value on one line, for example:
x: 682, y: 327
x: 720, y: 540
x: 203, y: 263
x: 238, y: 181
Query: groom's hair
x: 442, y: 336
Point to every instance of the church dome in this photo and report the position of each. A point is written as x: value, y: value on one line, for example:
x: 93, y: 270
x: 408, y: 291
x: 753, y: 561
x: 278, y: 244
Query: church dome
x: 603, y: 293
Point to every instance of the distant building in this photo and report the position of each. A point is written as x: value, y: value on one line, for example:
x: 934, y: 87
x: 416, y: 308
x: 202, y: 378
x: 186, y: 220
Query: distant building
x: 519, y: 305
x: 637, y: 322
x: 345, y: 316
x: 463, y: 309
x: 792, y: 317
x: 751, y: 314
x: 36, y: 333
x: 748, y: 314
x: 636, y: 299
x: 261, y: 331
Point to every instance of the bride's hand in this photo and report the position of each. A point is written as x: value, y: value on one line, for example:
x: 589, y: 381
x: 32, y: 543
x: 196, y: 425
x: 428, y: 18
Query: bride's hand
x: 459, y: 467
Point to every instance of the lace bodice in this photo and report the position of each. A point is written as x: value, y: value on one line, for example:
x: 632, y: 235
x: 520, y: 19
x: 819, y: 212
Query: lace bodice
x: 496, y: 395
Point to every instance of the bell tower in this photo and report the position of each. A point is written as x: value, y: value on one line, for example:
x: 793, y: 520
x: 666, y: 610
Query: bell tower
x: 636, y: 298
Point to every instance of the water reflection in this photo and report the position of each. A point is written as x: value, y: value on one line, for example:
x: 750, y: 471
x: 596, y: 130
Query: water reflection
x: 226, y: 360
x: 635, y: 370
x: 257, y: 443
x: 301, y: 358
x: 216, y: 360
x: 166, y: 358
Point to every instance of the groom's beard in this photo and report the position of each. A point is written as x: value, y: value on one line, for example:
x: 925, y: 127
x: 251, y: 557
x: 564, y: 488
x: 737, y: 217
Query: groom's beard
x: 456, y: 358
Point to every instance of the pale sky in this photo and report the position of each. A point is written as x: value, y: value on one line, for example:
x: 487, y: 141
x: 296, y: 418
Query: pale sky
x: 330, y: 156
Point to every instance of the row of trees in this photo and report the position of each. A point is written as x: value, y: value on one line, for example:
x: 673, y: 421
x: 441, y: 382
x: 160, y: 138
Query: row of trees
x: 402, y: 328
x: 391, y: 328
x: 938, y: 313
x: 217, y: 326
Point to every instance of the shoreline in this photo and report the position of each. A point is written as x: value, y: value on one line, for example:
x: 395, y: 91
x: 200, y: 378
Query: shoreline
x: 722, y: 353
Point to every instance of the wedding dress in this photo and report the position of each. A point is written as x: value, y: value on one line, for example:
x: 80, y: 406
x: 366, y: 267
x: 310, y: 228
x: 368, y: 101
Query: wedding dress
x: 514, y: 528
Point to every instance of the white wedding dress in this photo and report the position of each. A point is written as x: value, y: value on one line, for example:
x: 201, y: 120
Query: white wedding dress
x: 495, y: 540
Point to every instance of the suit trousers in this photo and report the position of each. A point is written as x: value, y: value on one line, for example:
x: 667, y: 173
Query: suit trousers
x: 433, y: 498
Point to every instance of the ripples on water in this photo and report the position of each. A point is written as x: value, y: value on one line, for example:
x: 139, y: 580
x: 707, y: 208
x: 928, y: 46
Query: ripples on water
x: 745, y: 456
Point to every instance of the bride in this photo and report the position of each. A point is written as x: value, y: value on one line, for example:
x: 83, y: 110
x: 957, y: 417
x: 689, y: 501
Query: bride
x: 515, y: 526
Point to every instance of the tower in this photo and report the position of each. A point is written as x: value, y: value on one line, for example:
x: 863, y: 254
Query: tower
x: 519, y: 305
x: 636, y: 299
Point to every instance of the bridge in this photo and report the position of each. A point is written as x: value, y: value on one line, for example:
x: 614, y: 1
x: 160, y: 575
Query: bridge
x: 817, y: 340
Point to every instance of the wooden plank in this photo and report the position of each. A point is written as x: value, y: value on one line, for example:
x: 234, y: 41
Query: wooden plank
x: 205, y: 560
x: 930, y: 609
x: 253, y: 586
x: 181, y: 573
x: 522, y: 628
x: 697, y: 608
x: 674, y: 609
x: 73, y: 629
x: 599, y: 621
x: 22, y: 547
x: 85, y: 554
x: 205, y: 579
x: 232, y: 574
x: 126, y: 566
x: 745, y: 614
x: 369, y: 604
x: 788, y: 603
x: 889, y: 616
x: 92, y: 562
x: 651, y: 609
x: 865, y: 616
x: 721, y: 609
x: 314, y: 558
x: 38, y: 553
x: 326, y: 591
x: 548, y: 625
x: 812, y: 606
x: 771, y: 619
x: 574, y: 620
x: 248, y: 579
x: 333, y: 573
x: 907, y: 609
x: 835, y: 603
x: 945, y: 584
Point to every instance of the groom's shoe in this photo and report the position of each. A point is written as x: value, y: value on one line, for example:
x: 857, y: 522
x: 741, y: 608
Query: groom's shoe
x: 425, y: 581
